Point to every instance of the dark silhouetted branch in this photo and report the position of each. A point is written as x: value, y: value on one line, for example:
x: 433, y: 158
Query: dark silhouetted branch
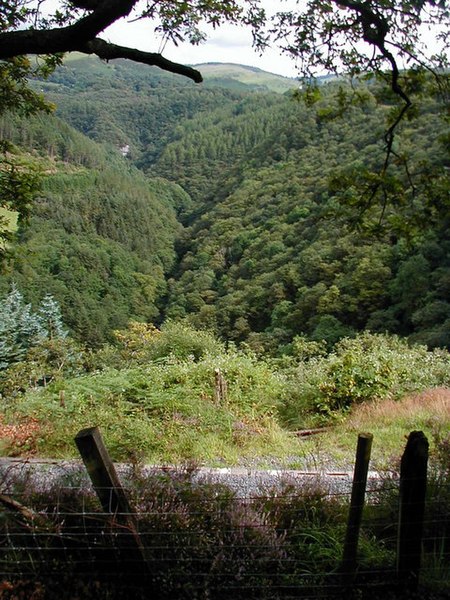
x: 81, y: 36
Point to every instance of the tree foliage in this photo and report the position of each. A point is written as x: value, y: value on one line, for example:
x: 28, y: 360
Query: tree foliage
x: 275, y: 242
x: 354, y: 36
x: 322, y: 34
x: 34, y: 344
x: 19, y: 180
x: 19, y: 330
x: 101, y: 235
x: 272, y: 251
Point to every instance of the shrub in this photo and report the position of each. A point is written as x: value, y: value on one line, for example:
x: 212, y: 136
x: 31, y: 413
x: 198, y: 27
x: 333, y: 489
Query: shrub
x: 359, y: 369
x: 143, y: 342
x: 48, y: 360
x: 201, y: 541
x: 166, y: 411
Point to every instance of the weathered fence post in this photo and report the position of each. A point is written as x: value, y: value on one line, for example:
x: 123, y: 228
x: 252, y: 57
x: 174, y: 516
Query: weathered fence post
x: 413, y: 485
x: 220, y: 387
x: 356, y: 503
x: 111, y: 493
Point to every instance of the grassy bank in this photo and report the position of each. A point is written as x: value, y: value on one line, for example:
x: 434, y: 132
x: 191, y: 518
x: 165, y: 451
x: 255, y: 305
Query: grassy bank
x: 156, y: 399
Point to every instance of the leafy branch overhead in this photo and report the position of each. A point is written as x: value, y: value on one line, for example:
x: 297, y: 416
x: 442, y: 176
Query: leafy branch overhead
x: 324, y: 34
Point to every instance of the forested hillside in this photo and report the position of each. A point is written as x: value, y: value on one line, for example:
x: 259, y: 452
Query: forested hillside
x: 260, y: 236
x: 272, y: 249
x: 129, y: 105
x: 217, y: 278
x: 101, y: 235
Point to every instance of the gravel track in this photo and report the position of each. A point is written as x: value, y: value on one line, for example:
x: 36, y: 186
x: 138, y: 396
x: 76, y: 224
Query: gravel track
x: 44, y: 474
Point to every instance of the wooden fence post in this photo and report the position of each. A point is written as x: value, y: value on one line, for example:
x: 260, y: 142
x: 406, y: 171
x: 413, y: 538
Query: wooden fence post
x: 111, y: 493
x: 413, y: 485
x: 220, y: 388
x: 356, y: 503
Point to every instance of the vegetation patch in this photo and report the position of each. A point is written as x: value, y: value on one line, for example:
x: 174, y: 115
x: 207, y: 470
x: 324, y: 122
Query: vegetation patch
x: 168, y: 409
x: 203, y: 540
x: 174, y: 394
x: 359, y: 370
x: 8, y: 219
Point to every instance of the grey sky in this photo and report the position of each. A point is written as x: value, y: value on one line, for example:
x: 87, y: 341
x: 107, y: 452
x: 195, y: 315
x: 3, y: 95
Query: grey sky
x: 226, y: 44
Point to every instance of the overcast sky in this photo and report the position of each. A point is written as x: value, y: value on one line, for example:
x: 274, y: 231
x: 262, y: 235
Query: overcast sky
x: 227, y: 44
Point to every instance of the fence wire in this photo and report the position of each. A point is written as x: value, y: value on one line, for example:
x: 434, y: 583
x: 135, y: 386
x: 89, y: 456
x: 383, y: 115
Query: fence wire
x: 201, y: 540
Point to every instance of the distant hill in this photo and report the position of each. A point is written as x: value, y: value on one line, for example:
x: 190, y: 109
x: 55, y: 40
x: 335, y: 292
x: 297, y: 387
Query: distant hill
x: 226, y: 75
x: 234, y: 76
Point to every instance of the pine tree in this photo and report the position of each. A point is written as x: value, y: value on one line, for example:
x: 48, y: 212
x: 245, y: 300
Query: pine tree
x: 20, y: 328
x: 49, y: 313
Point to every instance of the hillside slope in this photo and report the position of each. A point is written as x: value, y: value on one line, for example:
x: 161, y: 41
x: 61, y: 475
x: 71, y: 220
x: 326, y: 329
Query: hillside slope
x: 127, y: 104
x: 272, y: 250
x: 244, y: 78
x: 274, y: 190
x: 101, y: 234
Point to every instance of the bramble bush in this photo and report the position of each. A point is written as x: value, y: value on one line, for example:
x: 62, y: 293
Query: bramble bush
x: 142, y: 342
x: 363, y: 368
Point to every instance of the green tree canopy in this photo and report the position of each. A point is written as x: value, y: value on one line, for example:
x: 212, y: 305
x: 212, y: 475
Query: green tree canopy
x: 336, y: 34
x: 21, y: 328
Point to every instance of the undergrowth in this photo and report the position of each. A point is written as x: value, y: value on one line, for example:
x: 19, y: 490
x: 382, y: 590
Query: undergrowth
x: 156, y: 398
x: 202, y: 541
x: 369, y: 367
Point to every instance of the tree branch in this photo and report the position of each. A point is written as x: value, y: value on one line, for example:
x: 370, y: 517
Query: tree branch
x: 27, y: 513
x: 64, y: 39
x: 86, y: 4
x: 375, y: 28
x: 108, y: 51
x: 81, y: 37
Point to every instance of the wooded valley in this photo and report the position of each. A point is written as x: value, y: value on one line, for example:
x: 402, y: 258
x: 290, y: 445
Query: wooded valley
x: 237, y: 207
x: 223, y: 279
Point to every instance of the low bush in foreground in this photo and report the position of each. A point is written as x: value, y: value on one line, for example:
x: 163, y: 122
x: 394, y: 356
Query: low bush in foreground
x: 175, y: 394
x: 163, y: 412
x: 201, y: 541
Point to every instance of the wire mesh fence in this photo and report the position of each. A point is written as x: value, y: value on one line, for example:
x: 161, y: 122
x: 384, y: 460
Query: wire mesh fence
x: 199, y: 538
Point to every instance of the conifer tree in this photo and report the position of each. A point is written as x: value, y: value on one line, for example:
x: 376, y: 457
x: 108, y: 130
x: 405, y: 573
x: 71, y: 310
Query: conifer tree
x: 49, y: 313
x: 20, y: 328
